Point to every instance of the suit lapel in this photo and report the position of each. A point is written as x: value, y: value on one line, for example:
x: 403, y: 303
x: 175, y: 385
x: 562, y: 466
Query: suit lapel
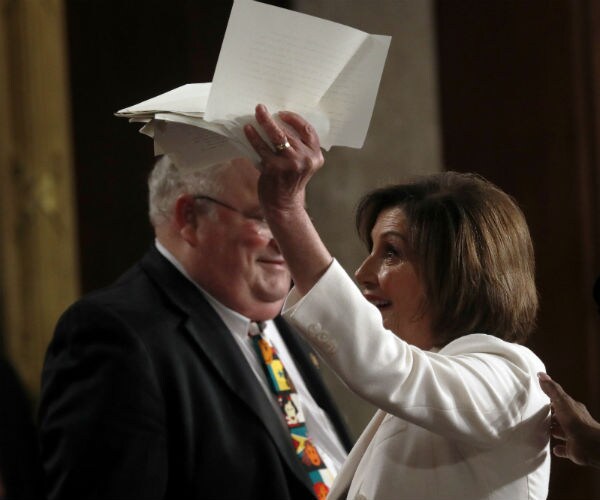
x: 208, y: 332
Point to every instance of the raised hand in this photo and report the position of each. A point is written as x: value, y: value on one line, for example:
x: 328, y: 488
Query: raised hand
x: 289, y: 163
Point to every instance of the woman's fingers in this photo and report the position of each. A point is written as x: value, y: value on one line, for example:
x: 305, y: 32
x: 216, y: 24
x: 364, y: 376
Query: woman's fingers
x: 305, y: 130
x: 256, y: 141
x: 294, y: 140
x: 294, y: 129
x: 274, y: 132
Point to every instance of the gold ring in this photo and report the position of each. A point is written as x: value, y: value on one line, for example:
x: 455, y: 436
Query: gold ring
x: 282, y: 147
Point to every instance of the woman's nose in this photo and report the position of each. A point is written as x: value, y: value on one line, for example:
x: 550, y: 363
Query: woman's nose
x: 366, y: 274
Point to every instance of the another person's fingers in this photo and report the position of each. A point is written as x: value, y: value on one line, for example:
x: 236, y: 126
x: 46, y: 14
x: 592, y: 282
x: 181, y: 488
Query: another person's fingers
x: 562, y: 403
x: 558, y: 433
x: 560, y: 450
x: 552, y: 389
x: 567, y: 410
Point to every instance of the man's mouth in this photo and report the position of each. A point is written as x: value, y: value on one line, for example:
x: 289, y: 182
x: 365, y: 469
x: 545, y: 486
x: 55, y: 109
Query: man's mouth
x: 272, y: 261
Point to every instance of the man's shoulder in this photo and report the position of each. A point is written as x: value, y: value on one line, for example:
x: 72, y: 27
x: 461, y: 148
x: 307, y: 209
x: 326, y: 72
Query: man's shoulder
x: 133, y: 289
x: 139, y: 287
x: 131, y: 300
x: 151, y: 296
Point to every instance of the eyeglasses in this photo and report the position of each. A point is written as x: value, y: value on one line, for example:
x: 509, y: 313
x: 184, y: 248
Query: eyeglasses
x: 257, y: 219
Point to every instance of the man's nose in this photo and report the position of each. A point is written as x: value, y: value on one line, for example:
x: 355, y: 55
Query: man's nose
x: 273, y: 242
x: 264, y: 229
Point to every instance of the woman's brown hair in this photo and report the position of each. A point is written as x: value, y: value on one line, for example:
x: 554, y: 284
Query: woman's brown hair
x: 472, y: 250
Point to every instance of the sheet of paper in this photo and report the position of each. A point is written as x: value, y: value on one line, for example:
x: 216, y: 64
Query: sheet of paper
x: 187, y: 99
x: 325, y: 71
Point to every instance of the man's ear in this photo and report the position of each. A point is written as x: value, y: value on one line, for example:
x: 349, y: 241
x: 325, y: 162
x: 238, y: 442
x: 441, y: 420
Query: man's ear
x: 185, y: 218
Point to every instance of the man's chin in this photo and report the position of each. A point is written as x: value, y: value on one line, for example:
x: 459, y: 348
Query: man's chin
x: 270, y: 291
x: 275, y: 284
x: 265, y: 308
x: 270, y: 297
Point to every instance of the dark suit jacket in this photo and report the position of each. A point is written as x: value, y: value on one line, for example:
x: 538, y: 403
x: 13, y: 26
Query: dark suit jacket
x: 146, y: 395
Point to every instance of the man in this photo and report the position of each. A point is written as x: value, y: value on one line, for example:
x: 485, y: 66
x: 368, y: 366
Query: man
x: 151, y: 388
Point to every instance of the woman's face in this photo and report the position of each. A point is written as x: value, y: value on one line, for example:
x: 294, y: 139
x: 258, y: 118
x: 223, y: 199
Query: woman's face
x: 390, y: 281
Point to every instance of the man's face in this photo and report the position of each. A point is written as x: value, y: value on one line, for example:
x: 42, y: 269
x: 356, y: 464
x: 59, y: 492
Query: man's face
x: 236, y: 259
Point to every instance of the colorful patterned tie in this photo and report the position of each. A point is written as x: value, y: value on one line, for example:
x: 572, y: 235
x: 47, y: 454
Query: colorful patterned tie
x: 289, y: 403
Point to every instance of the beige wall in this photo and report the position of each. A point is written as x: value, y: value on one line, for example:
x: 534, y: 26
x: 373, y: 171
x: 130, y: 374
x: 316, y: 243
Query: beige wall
x: 403, y: 139
x: 38, y: 262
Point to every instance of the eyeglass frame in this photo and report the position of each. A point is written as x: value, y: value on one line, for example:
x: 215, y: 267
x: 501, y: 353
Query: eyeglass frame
x: 260, y: 220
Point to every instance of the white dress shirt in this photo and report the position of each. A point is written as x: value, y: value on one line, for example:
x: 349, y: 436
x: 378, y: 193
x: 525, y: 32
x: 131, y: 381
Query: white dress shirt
x: 320, y: 429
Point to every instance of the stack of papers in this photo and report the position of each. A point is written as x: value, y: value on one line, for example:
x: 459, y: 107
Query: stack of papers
x: 187, y: 101
x: 175, y: 120
x: 327, y: 72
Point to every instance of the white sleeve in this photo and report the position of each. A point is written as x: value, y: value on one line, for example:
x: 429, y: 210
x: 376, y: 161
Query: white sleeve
x: 477, y: 388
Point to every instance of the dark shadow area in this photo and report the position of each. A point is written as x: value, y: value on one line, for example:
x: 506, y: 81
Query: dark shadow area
x: 20, y: 466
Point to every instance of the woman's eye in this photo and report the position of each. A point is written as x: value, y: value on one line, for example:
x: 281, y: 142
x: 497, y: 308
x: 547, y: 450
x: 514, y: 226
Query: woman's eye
x: 390, y: 253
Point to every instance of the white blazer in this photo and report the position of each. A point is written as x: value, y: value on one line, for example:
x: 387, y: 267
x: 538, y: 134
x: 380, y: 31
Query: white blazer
x: 467, y: 422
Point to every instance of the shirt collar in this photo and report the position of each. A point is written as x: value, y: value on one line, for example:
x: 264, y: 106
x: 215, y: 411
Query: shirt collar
x: 237, y: 323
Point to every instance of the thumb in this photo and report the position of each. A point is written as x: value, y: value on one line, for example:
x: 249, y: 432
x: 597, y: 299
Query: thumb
x: 552, y: 389
x: 557, y: 395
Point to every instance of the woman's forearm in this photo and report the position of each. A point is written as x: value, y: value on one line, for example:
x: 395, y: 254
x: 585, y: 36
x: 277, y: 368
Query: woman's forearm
x: 304, y: 251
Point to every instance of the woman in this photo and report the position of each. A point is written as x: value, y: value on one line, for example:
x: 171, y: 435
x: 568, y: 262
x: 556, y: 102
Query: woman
x: 450, y: 273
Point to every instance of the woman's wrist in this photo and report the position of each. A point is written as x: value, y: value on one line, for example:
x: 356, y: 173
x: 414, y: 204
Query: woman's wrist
x: 305, y: 253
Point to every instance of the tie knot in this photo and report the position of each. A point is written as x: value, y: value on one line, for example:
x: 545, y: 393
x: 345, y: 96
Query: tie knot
x: 256, y: 328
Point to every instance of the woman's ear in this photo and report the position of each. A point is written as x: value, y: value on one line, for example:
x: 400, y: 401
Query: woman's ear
x: 185, y: 218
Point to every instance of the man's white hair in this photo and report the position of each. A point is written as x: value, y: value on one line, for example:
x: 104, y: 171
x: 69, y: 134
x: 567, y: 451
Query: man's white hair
x: 167, y: 182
